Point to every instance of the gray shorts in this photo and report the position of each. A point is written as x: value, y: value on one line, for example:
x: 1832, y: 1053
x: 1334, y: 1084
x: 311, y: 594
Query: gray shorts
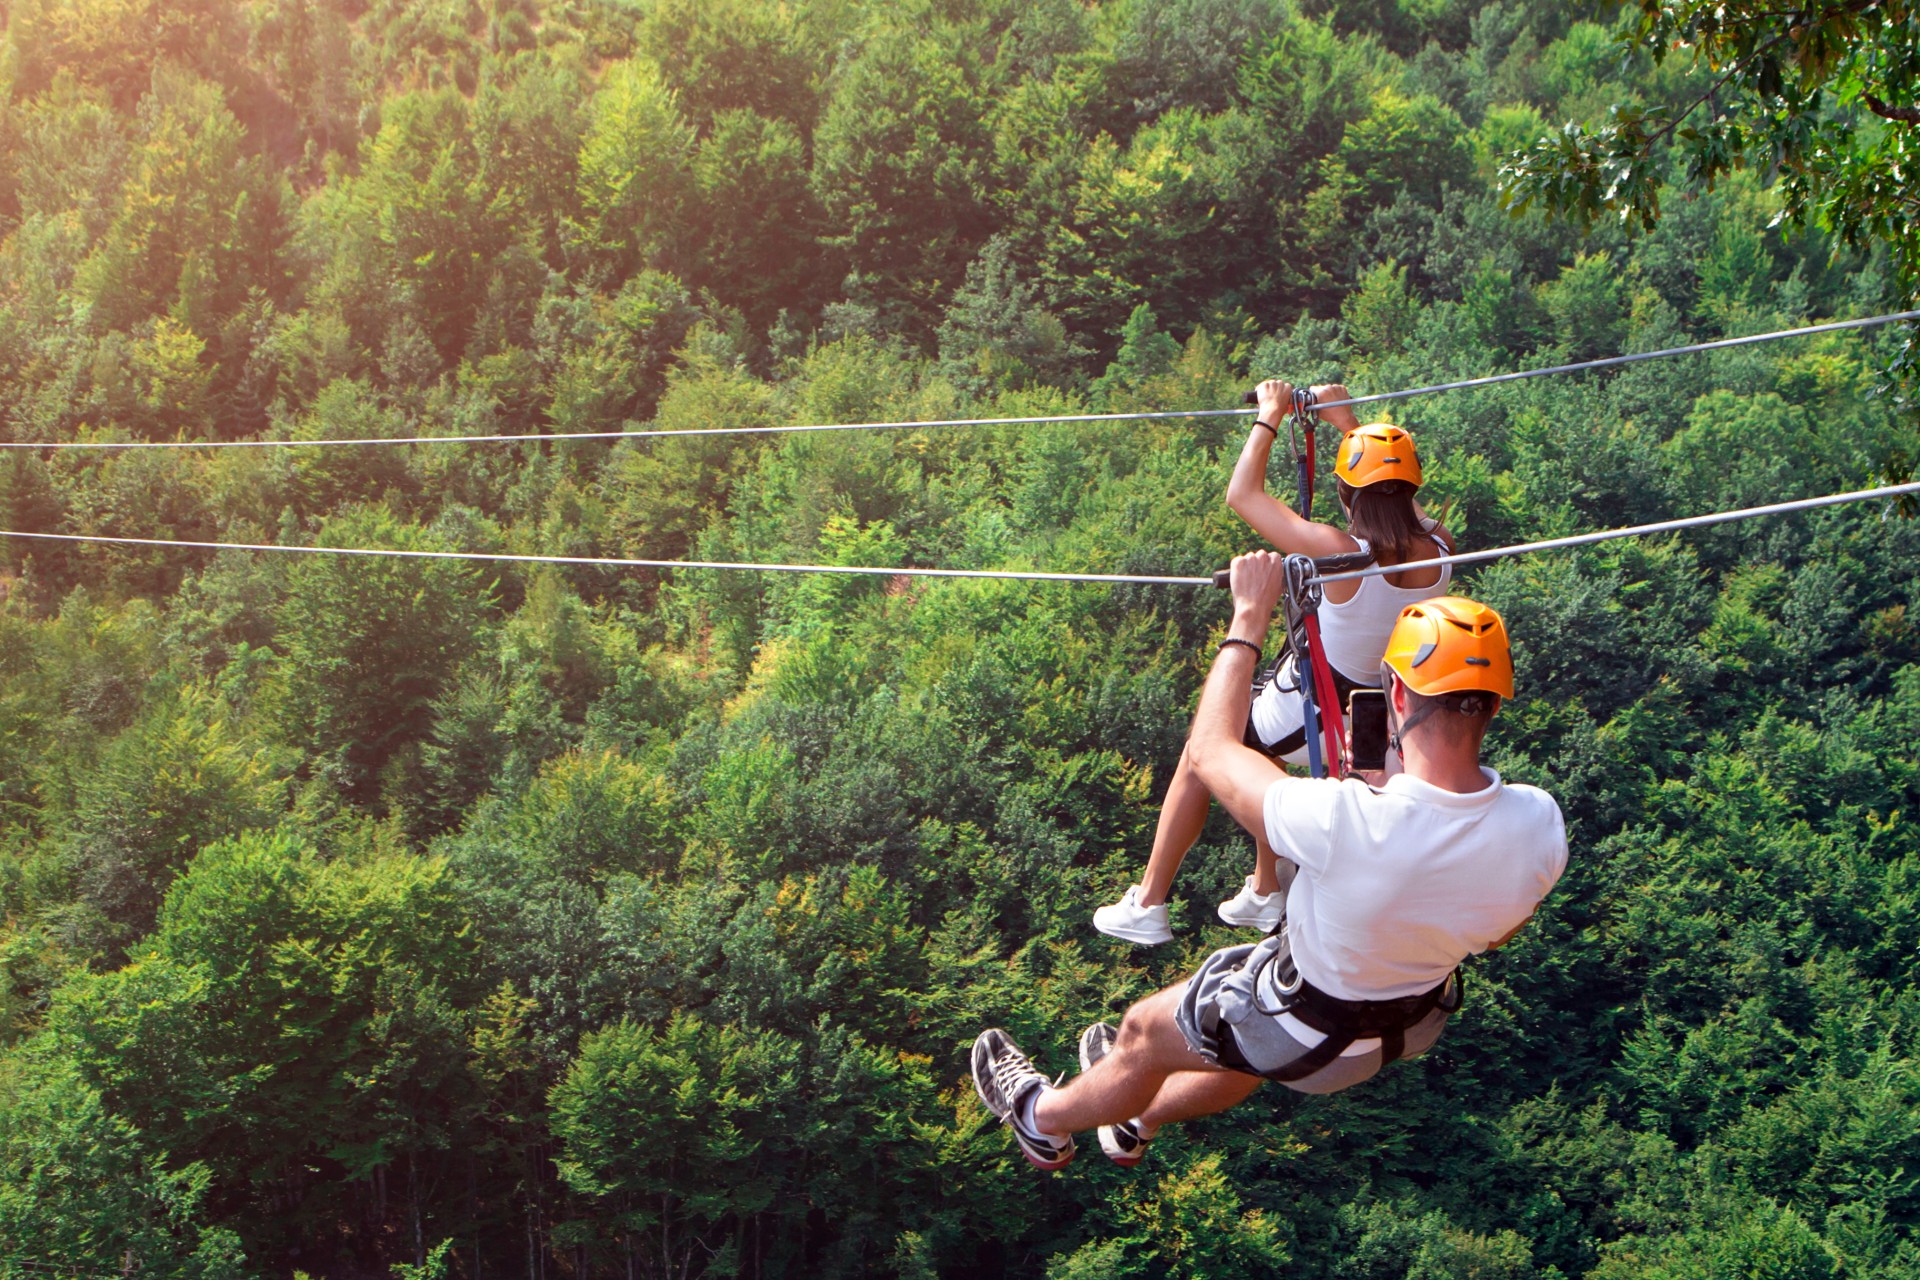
x: 1229, y: 1015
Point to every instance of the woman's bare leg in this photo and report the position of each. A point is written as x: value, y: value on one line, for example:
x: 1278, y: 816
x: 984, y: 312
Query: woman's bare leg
x: 1182, y: 816
x: 1271, y: 872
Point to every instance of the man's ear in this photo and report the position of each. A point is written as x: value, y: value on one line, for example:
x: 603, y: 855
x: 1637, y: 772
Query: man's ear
x: 1396, y: 693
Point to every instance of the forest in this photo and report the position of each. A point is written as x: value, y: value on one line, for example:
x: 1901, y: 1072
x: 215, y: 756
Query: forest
x: 435, y: 918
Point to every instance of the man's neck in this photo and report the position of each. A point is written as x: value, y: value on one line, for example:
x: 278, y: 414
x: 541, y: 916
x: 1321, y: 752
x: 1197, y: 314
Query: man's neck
x: 1449, y: 766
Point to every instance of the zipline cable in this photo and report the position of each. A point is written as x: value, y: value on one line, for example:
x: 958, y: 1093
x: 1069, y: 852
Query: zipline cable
x: 1605, y: 362
x: 1632, y: 531
x: 614, y: 563
x: 654, y: 433
x: 902, y: 571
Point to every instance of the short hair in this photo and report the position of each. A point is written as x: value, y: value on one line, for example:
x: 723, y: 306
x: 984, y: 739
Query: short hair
x: 1458, y: 716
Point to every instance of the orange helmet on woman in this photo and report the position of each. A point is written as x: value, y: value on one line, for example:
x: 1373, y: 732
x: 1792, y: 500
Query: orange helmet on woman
x: 1381, y: 451
x: 1450, y: 644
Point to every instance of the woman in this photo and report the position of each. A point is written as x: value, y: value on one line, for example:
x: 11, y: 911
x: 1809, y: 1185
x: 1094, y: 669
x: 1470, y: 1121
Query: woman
x: 1377, y: 475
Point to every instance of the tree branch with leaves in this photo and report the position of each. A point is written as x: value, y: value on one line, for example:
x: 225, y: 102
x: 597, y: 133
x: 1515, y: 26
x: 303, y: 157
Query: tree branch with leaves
x: 1819, y: 96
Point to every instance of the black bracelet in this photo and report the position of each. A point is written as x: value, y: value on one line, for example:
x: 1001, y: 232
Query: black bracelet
x: 1269, y: 426
x: 1245, y: 644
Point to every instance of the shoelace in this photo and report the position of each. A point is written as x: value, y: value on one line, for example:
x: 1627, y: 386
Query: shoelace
x: 1011, y: 1070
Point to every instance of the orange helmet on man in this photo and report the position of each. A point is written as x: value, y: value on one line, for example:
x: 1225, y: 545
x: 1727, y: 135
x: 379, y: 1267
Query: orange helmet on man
x: 1450, y: 644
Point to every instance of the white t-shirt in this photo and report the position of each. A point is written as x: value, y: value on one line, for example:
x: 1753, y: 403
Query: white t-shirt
x: 1398, y: 885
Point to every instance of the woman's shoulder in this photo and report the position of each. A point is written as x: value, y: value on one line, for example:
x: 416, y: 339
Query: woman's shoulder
x: 1437, y: 531
x: 1322, y: 539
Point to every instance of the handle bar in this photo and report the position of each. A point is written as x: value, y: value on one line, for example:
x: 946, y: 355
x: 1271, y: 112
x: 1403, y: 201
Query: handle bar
x: 1342, y: 563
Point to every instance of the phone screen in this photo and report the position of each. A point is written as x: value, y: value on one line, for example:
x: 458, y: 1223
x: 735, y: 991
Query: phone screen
x: 1367, y: 729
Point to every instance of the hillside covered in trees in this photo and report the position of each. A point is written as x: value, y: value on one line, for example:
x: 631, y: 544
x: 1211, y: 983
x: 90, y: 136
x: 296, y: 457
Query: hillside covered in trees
x: 433, y: 918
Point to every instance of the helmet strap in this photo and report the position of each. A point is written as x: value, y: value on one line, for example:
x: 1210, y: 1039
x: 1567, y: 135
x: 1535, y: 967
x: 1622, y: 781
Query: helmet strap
x: 1467, y: 704
x: 1414, y: 721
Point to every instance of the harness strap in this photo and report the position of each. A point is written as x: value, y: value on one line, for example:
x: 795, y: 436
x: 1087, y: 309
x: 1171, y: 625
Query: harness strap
x: 1303, y: 402
x: 1312, y: 1060
x: 1326, y: 731
x: 1301, y: 601
x: 1342, y: 1022
x: 1327, y: 693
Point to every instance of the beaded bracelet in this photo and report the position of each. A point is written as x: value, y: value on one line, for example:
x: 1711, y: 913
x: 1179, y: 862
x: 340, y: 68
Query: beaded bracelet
x: 1246, y: 644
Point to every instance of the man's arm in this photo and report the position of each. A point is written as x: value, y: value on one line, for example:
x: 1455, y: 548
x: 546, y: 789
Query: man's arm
x: 1237, y: 775
x: 1509, y: 935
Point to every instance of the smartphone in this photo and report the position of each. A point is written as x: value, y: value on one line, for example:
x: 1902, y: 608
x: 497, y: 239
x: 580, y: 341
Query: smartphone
x: 1367, y: 730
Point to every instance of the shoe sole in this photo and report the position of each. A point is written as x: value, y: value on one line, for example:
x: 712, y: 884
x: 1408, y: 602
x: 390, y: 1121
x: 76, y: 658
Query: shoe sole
x: 1267, y: 921
x: 983, y: 1056
x: 1045, y: 1166
x: 1140, y: 938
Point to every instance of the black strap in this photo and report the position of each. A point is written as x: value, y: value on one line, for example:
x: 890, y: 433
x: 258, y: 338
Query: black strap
x: 1312, y: 1060
x: 1361, y: 1019
x: 1344, y: 1021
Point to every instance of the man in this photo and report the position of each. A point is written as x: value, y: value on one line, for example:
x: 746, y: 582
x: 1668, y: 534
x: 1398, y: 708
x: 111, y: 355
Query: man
x: 1396, y: 885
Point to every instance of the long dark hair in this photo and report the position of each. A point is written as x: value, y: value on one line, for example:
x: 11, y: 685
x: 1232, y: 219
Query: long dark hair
x: 1384, y: 515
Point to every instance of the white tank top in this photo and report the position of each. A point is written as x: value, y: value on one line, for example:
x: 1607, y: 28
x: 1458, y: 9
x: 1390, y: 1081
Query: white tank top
x: 1355, y: 634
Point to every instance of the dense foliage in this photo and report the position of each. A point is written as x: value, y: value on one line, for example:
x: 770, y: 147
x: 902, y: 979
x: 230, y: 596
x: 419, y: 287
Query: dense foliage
x: 1827, y: 94
x: 433, y: 918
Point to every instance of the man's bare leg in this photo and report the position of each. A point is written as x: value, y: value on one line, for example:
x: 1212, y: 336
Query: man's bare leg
x: 1150, y: 1050
x: 1187, y: 1094
x: 1182, y: 816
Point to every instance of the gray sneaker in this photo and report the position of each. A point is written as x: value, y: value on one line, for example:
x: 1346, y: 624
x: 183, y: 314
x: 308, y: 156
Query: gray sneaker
x: 1003, y: 1077
x: 1122, y: 1142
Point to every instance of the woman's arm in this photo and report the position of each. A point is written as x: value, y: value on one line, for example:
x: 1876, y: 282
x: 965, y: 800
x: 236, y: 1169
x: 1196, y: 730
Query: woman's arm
x: 1247, y: 492
x: 1342, y: 418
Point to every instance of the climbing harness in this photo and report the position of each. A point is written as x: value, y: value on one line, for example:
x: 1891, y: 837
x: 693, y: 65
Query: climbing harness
x: 1279, y: 988
x: 1318, y: 683
x: 1301, y: 607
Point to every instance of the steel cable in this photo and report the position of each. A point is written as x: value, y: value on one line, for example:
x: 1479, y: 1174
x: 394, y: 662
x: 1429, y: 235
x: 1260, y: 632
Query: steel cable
x: 655, y: 433
x: 909, y: 571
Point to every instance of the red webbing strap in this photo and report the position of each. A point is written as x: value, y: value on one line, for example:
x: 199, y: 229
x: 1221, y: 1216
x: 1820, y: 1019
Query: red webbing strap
x: 1332, y: 720
x: 1303, y: 458
x: 1307, y: 511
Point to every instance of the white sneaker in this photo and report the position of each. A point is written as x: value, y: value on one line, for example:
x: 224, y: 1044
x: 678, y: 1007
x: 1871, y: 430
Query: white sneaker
x: 1250, y: 910
x: 1128, y: 920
